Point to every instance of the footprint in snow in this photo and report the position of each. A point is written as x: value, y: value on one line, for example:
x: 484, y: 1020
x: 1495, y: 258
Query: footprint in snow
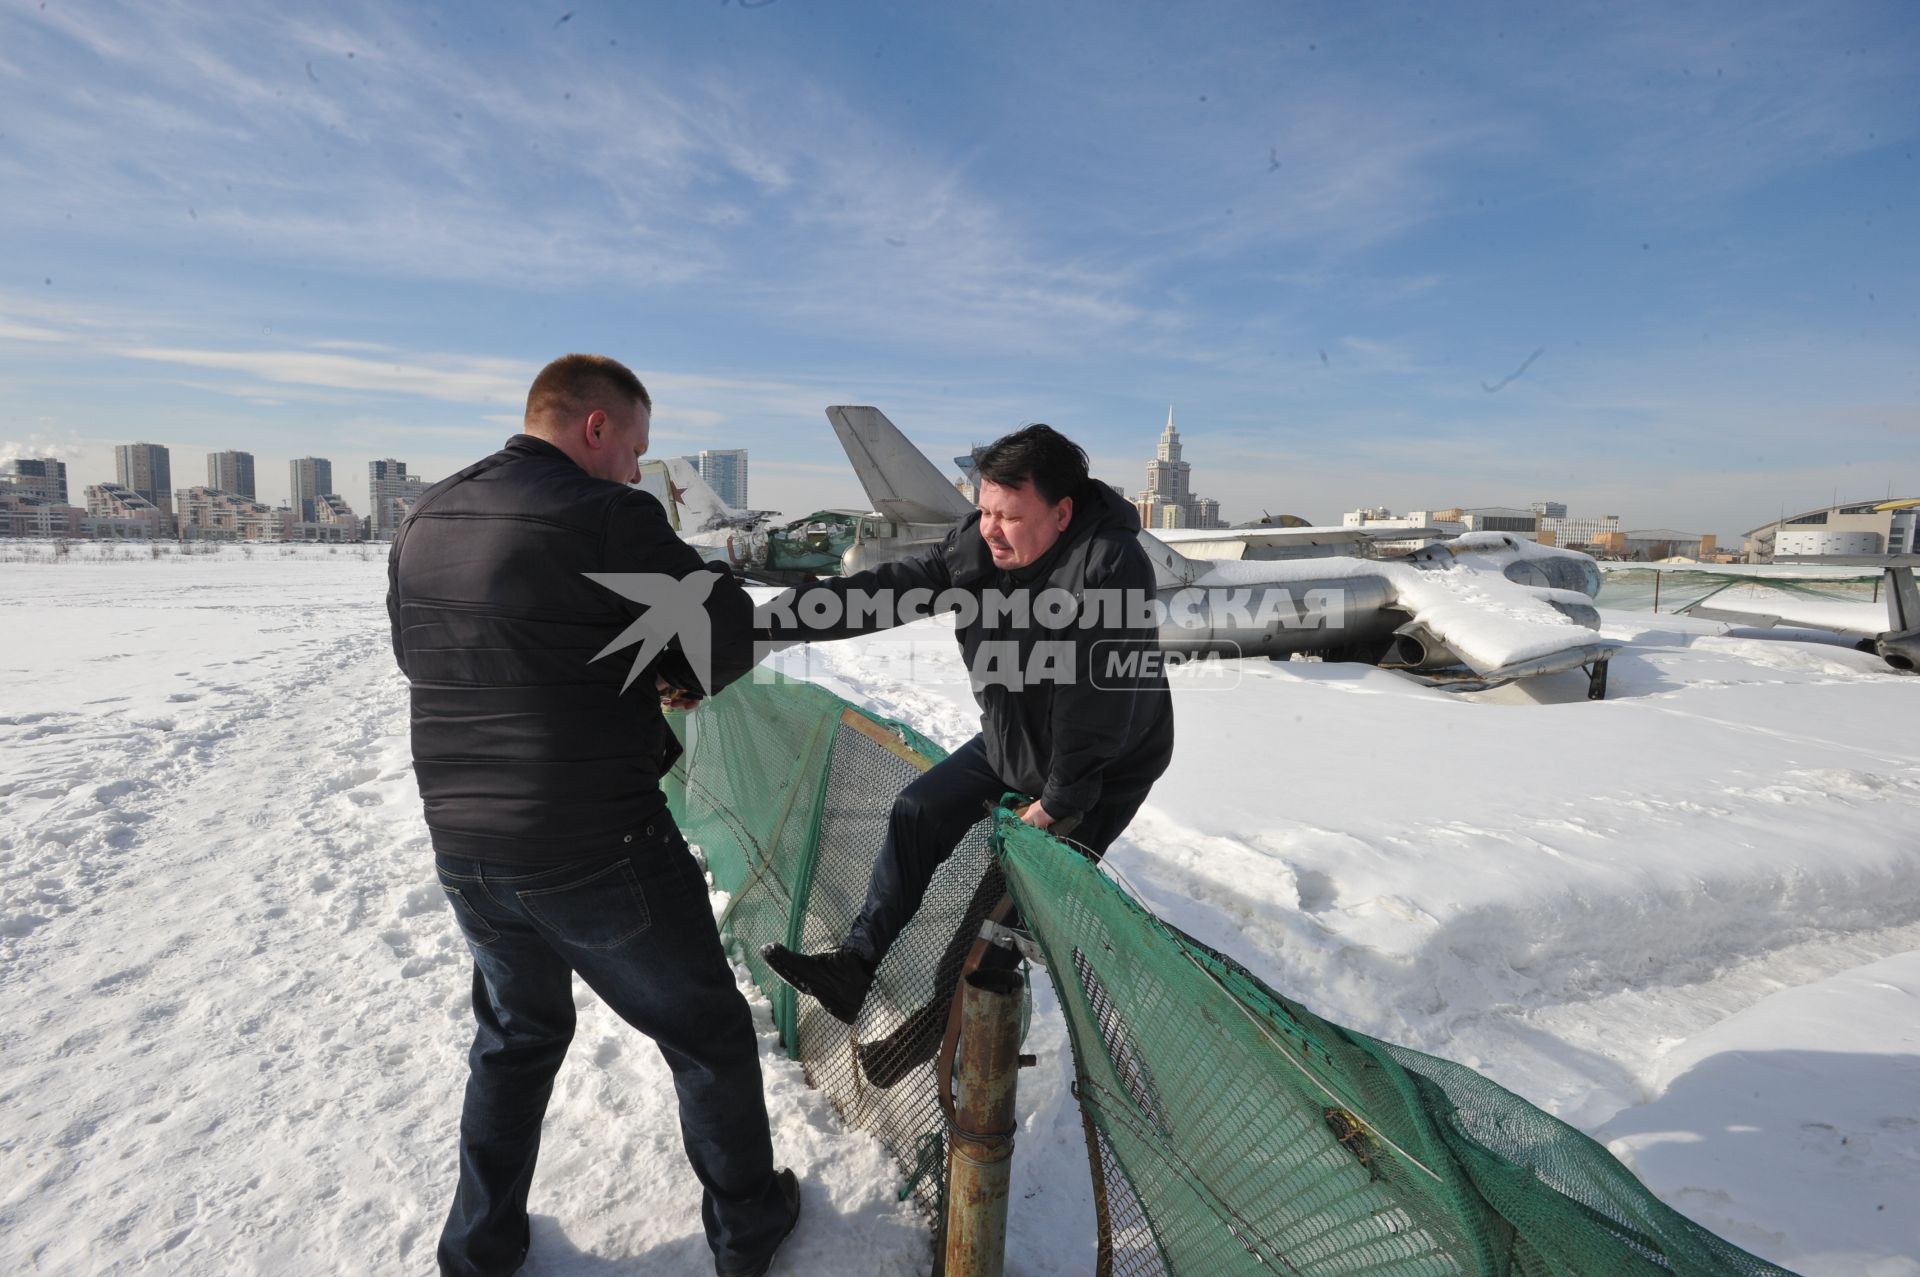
x: 422, y: 899
x: 110, y: 982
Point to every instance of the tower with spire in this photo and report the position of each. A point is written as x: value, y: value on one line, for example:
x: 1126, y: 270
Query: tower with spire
x: 1168, y: 500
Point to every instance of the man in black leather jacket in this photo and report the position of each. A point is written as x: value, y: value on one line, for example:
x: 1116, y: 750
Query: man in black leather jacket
x: 552, y: 839
x: 1050, y: 580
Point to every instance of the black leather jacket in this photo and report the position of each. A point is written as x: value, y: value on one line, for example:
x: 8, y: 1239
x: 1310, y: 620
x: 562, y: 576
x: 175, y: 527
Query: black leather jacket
x: 525, y: 748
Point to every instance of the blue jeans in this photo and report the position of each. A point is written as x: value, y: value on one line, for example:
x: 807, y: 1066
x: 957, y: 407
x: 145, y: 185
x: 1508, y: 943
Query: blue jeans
x: 930, y: 818
x: 640, y: 933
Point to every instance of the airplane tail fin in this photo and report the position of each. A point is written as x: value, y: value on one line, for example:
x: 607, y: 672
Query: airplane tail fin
x: 691, y: 503
x: 1903, y: 601
x: 1172, y: 570
x: 1900, y: 645
x: 899, y: 480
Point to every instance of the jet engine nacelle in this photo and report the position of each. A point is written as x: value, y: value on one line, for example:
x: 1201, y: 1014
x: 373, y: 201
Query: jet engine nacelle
x: 1415, y: 647
x: 1900, y: 645
x: 1346, y: 613
x: 1902, y: 651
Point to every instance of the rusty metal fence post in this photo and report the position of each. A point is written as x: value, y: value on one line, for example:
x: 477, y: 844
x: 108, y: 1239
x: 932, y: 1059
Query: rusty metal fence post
x: 980, y: 1152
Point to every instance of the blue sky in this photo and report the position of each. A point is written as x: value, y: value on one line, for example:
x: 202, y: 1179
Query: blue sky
x: 1320, y: 232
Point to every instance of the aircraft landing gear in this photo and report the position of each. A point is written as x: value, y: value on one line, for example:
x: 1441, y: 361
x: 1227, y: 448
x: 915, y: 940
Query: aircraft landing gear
x: 1597, y: 680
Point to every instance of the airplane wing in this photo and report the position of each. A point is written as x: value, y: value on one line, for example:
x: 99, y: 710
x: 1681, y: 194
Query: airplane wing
x: 1499, y: 630
x: 1373, y: 533
x: 1251, y: 543
x: 1891, y: 628
x: 1467, y: 624
x: 1856, y: 620
x: 898, y: 478
x: 1291, y: 536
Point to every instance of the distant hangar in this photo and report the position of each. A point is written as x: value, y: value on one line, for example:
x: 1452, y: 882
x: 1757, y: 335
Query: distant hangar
x: 1854, y: 532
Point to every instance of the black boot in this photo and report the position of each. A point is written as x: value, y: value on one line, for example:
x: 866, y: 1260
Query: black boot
x: 790, y: 1193
x: 838, y: 979
x: 912, y: 1044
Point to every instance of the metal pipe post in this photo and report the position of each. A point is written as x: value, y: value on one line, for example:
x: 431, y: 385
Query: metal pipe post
x: 980, y: 1151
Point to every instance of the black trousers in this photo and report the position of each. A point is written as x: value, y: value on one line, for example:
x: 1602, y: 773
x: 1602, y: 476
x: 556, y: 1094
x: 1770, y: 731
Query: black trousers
x: 929, y: 819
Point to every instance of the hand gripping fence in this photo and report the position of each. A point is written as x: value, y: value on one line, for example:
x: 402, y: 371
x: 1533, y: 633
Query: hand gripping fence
x: 1230, y: 1130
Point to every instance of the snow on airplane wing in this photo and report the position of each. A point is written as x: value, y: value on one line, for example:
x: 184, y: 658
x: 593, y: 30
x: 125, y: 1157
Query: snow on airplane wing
x: 1461, y: 596
x: 1462, y: 601
x: 1890, y: 627
x: 1293, y: 536
x: 1502, y: 631
x: 1254, y: 543
x: 1856, y: 620
x: 1282, y: 536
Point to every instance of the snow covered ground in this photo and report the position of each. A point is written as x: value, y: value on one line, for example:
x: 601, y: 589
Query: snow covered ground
x: 233, y: 1007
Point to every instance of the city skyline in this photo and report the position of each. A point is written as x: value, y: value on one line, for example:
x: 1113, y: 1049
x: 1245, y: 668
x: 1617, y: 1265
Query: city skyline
x: 1169, y: 445
x: 1854, y: 531
x: 98, y: 463
x: 1648, y: 260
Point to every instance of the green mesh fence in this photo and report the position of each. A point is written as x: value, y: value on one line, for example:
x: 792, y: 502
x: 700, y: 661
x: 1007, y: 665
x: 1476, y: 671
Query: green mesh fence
x: 1230, y: 1129
x: 1237, y: 1132
x: 1669, y: 590
x: 786, y: 789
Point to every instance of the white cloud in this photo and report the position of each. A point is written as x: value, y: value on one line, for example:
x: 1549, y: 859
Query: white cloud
x: 1066, y: 254
x: 764, y: 185
x: 30, y: 332
x: 401, y: 157
x: 372, y: 347
x: 455, y: 379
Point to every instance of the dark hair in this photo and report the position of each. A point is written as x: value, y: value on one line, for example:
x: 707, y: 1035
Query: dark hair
x: 1036, y: 454
x: 580, y: 383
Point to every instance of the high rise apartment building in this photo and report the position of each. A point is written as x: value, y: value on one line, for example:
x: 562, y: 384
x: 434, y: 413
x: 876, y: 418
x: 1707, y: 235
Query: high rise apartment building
x: 146, y: 468
x: 41, y: 477
x: 231, y: 472
x: 308, y: 479
x: 1168, y: 500
x: 33, y: 499
x: 391, y: 492
x: 725, y: 471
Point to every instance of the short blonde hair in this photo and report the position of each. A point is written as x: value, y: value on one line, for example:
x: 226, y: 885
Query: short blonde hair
x: 573, y: 384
